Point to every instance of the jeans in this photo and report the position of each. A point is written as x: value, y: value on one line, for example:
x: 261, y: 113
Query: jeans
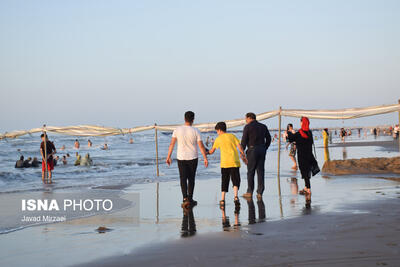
x: 256, y: 162
x: 187, y: 173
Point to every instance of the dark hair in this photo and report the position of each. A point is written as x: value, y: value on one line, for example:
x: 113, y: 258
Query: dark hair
x: 251, y: 115
x: 221, y: 126
x: 289, y: 125
x: 42, y: 135
x: 21, y: 158
x: 189, y: 116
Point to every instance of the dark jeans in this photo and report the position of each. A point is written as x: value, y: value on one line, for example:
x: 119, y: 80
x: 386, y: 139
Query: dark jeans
x: 256, y: 162
x: 187, y: 173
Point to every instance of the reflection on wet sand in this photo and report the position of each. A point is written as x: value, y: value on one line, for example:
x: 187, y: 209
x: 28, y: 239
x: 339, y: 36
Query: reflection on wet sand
x: 226, y: 226
x: 188, y: 223
x: 252, y: 211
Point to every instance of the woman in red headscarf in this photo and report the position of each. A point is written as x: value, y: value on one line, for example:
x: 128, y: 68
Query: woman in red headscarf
x: 305, y: 157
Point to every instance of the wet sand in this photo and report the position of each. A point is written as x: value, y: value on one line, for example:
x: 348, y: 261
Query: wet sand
x: 368, y: 237
x: 387, y: 145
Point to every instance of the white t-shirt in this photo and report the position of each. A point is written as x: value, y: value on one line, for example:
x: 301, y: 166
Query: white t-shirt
x: 187, y: 137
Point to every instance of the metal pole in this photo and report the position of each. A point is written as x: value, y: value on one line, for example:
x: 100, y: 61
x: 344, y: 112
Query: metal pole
x: 279, y: 153
x: 398, y: 139
x: 156, y: 140
x: 158, y: 202
x: 45, y: 155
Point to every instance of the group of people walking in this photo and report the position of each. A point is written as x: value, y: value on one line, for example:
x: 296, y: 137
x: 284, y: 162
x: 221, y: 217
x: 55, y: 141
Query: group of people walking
x: 253, y: 146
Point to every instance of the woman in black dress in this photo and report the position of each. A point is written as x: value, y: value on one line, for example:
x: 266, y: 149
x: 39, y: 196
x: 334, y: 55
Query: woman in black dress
x: 305, y: 157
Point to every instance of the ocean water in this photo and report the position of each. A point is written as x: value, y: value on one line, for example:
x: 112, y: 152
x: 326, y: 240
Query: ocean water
x: 122, y: 164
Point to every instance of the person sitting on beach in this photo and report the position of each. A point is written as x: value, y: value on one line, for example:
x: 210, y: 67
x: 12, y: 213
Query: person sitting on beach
x: 86, y: 161
x: 35, y: 162
x: 78, y: 160
x: 89, y: 143
x: 304, y: 142
x: 27, y: 163
x: 230, y: 163
x: 188, y: 139
x: 64, y: 160
x: 104, y: 147
x: 50, y: 151
x: 76, y: 144
x: 20, y: 162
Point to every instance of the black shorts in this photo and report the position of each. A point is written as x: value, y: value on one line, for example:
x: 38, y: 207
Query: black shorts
x: 226, y: 175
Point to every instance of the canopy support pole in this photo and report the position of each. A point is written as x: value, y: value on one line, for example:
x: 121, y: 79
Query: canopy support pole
x: 279, y: 152
x: 158, y: 174
x: 156, y: 141
x: 46, y: 174
x: 398, y: 134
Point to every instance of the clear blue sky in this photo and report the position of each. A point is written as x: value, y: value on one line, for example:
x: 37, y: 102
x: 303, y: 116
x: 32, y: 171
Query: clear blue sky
x: 128, y: 63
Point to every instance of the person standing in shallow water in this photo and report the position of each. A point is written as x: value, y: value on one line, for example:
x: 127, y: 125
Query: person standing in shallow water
x: 50, y: 151
x: 304, y: 141
x: 257, y: 139
x: 188, y: 139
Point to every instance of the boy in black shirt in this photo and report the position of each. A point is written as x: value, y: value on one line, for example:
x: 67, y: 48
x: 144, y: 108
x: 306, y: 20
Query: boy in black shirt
x: 50, y: 151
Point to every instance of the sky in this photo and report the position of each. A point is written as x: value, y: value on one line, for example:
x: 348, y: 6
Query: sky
x: 131, y: 63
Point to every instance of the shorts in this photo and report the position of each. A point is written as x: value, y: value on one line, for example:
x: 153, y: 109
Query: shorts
x: 292, y: 152
x: 50, y: 165
x: 226, y: 175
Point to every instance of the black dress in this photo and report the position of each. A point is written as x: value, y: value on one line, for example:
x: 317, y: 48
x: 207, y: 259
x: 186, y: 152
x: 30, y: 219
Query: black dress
x: 305, y: 155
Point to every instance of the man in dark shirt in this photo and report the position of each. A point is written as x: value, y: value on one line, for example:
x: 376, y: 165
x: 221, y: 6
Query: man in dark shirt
x: 51, y: 150
x: 257, y: 139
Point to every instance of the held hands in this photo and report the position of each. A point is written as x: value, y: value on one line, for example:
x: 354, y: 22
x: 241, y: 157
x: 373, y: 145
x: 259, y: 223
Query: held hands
x: 244, y: 159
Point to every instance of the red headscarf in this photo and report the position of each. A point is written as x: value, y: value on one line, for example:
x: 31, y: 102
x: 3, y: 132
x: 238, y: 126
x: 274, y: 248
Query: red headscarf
x: 305, y: 127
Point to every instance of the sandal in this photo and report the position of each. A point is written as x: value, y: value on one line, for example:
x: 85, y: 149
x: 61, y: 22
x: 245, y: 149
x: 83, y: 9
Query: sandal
x: 185, y: 203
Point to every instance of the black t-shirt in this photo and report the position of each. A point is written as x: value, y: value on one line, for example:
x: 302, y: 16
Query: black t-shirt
x: 49, y: 147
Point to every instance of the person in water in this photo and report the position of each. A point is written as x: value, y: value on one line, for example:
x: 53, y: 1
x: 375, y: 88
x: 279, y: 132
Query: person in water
x: 50, y: 151
x: 63, y: 147
x: 325, y: 136
x: 105, y: 147
x: 78, y: 160
x: 27, y: 163
x: 64, y: 160
x: 131, y: 140
x: 20, y: 162
x: 86, y: 161
x: 188, y: 139
x: 35, y: 162
x: 76, y: 144
x: 230, y: 163
x: 304, y: 141
x: 56, y: 159
x: 89, y: 143
x: 292, y: 145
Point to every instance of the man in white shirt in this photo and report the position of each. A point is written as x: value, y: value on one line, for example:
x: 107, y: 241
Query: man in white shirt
x: 188, y: 139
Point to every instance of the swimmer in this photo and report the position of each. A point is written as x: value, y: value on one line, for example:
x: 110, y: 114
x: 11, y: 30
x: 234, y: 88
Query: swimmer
x: 131, y: 140
x: 27, y: 163
x: 64, y: 160
x: 105, y: 147
x: 20, y: 162
x: 62, y: 148
x: 89, y: 143
x: 35, y: 162
x: 86, y: 161
x: 78, y: 160
x: 76, y: 144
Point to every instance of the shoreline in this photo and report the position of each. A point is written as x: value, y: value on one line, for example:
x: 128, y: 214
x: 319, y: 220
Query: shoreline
x: 362, y: 235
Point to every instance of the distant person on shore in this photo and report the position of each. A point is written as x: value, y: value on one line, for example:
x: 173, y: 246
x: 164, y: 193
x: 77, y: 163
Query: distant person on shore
x: 20, y: 162
x: 188, y: 139
x: 64, y: 160
x: 292, y: 145
x: 50, y: 151
x: 89, y: 143
x: 304, y: 141
x: 257, y: 139
x: 76, y: 144
x: 230, y: 163
x: 375, y: 132
x: 396, y: 131
x: 325, y: 137
x: 27, y: 163
x: 343, y: 134
x: 35, y: 162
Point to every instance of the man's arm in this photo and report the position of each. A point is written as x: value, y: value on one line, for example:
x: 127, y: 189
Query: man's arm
x: 267, y: 138
x: 210, y: 152
x: 203, y: 152
x: 170, y: 149
x: 245, y: 138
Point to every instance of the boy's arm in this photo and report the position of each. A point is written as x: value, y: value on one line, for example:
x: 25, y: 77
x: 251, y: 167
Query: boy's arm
x: 170, y: 149
x: 211, y: 151
x: 203, y: 152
